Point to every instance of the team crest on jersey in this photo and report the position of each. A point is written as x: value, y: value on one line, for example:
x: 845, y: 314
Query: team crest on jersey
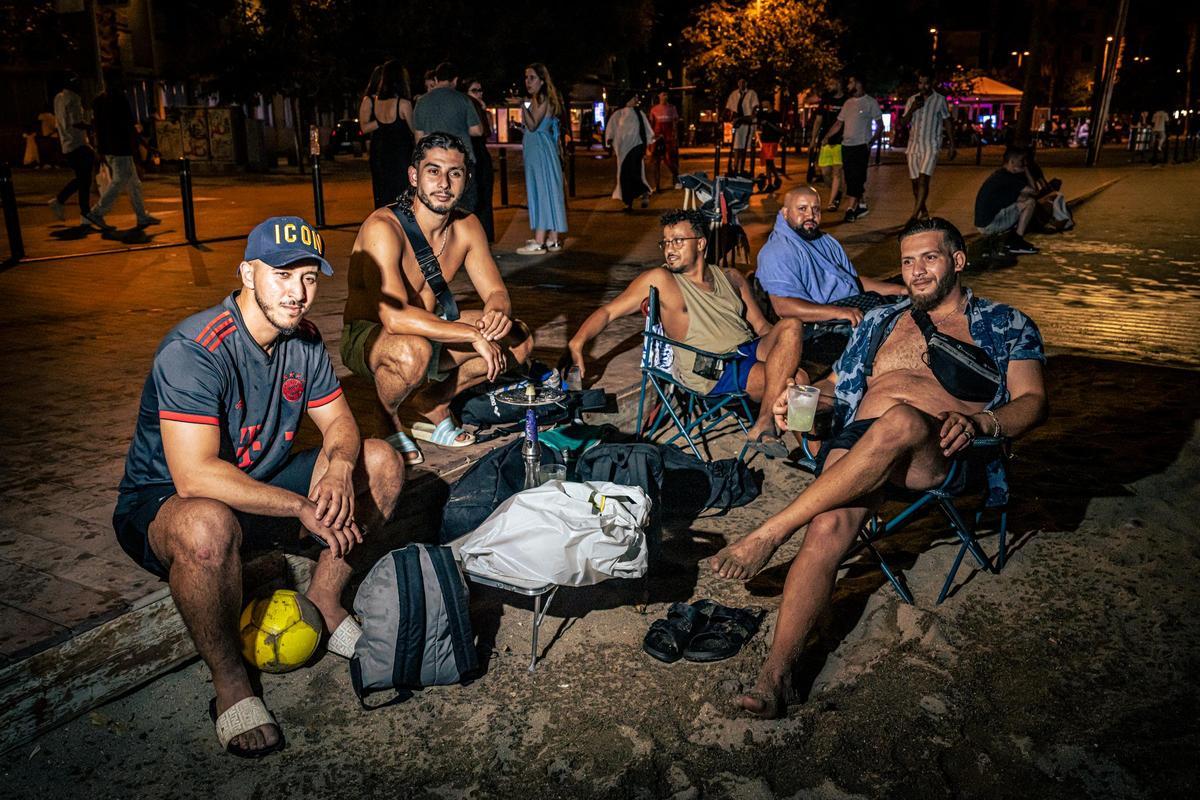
x: 293, y: 387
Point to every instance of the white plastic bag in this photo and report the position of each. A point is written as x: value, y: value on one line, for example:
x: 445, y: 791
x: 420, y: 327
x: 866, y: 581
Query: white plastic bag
x: 562, y: 532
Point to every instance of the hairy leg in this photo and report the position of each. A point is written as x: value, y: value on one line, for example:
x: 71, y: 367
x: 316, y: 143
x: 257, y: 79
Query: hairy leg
x: 1027, y: 206
x: 398, y: 364
x: 806, y: 591
x: 922, y: 195
x: 902, y: 447
x: 779, y: 359
x: 378, y: 479
x: 198, y: 540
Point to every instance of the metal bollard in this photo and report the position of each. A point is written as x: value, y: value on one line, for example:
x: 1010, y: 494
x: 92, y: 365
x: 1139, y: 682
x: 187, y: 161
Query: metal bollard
x: 185, y: 194
x: 571, y: 169
x: 717, y: 159
x: 783, y: 148
x: 314, y: 156
x: 978, y: 151
x: 878, y: 150
x: 318, y: 192
x: 753, y: 152
x: 504, y: 176
x: 12, y: 222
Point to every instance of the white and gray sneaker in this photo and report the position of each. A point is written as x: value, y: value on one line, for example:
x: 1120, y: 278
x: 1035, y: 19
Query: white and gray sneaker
x: 532, y: 248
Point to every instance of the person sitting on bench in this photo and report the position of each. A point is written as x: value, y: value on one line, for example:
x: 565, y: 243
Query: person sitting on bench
x: 403, y: 329
x: 1006, y: 202
x: 711, y: 309
x: 211, y: 467
x: 808, y: 275
x: 904, y: 410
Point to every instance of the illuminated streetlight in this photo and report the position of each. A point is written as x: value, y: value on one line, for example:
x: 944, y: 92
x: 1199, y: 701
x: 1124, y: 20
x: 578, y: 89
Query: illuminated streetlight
x: 933, y: 57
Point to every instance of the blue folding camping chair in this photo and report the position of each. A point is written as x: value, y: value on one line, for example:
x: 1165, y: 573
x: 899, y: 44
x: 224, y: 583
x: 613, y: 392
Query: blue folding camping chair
x: 956, y: 484
x: 692, y: 414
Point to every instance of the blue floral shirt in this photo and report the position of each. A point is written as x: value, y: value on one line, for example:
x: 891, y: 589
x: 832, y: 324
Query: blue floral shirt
x: 1003, y: 332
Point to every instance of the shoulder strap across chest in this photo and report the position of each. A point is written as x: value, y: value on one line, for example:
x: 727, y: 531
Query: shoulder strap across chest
x: 431, y: 270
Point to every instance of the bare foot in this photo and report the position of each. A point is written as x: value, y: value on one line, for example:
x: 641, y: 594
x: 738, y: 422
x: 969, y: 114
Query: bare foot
x: 743, y: 559
x: 767, y: 699
x: 766, y: 706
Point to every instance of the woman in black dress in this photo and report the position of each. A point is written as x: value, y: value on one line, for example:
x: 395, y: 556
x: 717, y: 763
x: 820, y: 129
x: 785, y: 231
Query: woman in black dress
x: 389, y: 124
x: 483, y: 162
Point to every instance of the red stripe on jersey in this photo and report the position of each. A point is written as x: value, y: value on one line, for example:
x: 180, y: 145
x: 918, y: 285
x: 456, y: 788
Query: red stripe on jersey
x: 215, y: 332
x: 179, y: 416
x: 209, y: 326
x: 287, y: 435
x: 327, y: 399
x: 212, y: 348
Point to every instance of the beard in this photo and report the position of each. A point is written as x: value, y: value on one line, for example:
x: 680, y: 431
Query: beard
x: 286, y: 327
x: 940, y: 290
x: 428, y: 203
x: 809, y: 234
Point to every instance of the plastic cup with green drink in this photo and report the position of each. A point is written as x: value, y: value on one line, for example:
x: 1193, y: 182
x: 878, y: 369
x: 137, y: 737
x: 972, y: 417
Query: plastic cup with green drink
x: 802, y: 407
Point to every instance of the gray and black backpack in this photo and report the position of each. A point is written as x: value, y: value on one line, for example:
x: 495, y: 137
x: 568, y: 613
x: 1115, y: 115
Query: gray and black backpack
x: 416, y: 628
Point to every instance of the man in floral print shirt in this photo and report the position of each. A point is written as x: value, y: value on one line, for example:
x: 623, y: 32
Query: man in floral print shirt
x: 896, y: 423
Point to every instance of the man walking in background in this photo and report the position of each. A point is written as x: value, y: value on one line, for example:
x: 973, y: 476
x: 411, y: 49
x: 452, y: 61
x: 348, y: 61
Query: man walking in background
x: 860, y: 124
x: 116, y: 138
x: 72, y: 136
x: 740, y: 108
x: 927, y: 116
x: 829, y: 155
x: 664, y: 119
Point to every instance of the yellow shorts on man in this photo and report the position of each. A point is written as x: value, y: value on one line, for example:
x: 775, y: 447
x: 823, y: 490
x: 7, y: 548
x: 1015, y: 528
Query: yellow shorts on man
x: 830, y: 155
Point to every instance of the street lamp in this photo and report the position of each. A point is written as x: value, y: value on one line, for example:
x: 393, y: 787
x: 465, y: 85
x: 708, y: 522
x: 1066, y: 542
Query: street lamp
x: 933, y: 59
x: 1020, y: 56
x: 1104, y: 61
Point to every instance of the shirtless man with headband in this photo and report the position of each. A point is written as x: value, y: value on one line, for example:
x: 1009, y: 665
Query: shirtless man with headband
x: 403, y: 329
x: 898, y: 420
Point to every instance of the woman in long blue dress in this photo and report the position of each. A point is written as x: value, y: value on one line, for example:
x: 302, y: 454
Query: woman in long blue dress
x: 543, y: 169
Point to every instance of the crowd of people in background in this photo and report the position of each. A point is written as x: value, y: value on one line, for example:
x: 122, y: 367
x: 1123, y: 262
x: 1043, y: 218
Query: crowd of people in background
x: 104, y: 146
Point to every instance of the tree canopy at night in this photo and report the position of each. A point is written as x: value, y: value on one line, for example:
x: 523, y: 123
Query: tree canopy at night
x: 767, y: 42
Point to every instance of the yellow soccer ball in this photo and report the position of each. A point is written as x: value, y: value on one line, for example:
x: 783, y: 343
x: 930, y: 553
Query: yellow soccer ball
x: 280, y: 633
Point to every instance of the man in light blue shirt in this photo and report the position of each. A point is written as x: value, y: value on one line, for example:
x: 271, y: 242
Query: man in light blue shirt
x: 806, y: 272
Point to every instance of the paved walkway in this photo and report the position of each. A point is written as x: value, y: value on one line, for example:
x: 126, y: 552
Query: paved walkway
x: 79, y: 333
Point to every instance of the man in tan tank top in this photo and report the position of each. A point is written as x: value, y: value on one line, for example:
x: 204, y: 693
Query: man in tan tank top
x: 712, y: 309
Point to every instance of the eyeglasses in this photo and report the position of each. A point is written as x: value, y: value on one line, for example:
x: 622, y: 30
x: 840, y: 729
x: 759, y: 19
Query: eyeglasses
x: 675, y: 243
x: 476, y: 90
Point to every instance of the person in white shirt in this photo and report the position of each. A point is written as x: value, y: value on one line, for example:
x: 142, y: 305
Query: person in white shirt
x: 1158, y: 137
x: 927, y: 116
x: 72, y: 137
x: 741, y: 108
x: 861, y: 124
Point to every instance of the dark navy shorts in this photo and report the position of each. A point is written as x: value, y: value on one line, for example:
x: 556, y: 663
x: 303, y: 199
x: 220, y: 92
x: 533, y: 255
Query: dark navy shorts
x: 137, y: 509
x: 737, y: 371
x: 968, y: 473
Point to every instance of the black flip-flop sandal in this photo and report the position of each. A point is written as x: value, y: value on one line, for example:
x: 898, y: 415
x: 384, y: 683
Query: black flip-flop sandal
x: 770, y: 446
x: 668, y: 637
x: 728, y: 629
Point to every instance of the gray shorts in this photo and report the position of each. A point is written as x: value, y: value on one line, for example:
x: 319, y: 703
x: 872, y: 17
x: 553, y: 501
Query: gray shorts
x: 1004, y: 221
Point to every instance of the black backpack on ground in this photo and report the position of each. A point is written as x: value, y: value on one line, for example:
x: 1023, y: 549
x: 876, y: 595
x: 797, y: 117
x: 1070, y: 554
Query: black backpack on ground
x: 489, y: 482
